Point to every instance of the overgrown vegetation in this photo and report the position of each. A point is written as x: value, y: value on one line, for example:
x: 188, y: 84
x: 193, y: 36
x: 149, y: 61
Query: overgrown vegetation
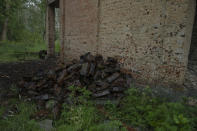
x: 139, y: 109
x: 22, y: 20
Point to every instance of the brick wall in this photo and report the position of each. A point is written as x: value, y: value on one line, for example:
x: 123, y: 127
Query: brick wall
x: 149, y: 37
x: 80, y: 27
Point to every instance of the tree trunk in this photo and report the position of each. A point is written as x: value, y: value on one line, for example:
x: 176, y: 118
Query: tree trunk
x: 5, y: 24
x: 5, y: 29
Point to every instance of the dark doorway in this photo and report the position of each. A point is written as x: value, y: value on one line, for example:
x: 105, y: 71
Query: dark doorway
x: 193, y: 47
x: 52, y: 27
x: 191, y: 74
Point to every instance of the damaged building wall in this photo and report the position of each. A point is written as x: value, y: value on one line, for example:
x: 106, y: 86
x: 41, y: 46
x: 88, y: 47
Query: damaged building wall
x: 80, y: 27
x: 149, y: 37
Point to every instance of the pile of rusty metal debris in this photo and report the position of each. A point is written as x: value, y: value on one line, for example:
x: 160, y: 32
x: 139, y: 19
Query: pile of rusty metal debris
x: 103, y: 78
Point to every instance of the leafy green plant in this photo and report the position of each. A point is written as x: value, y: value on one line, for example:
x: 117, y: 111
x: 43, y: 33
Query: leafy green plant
x: 82, y: 114
x: 80, y: 95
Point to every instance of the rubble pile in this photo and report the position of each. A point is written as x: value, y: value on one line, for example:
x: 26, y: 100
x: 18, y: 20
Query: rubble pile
x: 103, y: 78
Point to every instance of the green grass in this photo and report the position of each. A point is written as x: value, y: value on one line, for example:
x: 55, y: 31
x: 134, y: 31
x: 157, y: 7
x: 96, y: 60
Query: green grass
x: 57, y: 46
x: 19, y: 51
x: 20, y: 120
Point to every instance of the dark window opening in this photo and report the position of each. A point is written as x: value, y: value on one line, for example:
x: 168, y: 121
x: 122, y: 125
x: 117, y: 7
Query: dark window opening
x: 191, y: 73
x: 193, y: 47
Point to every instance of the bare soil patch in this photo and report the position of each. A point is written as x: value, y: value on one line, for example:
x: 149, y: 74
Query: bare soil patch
x: 11, y: 73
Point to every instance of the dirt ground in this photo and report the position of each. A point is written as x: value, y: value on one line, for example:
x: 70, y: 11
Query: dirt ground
x: 11, y: 73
